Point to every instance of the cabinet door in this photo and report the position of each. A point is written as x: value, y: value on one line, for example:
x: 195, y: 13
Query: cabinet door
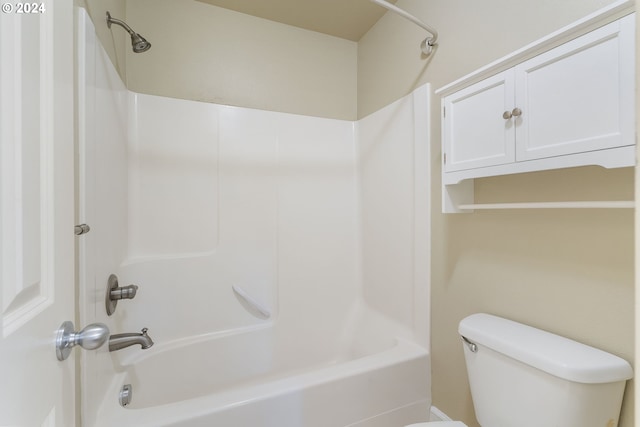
x: 475, y: 134
x: 579, y: 96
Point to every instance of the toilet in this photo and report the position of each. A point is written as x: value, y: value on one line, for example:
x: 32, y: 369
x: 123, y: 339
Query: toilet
x: 525, y: 377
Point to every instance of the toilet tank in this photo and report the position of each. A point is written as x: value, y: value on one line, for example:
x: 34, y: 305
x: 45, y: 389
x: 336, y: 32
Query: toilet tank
x: 525, y: 377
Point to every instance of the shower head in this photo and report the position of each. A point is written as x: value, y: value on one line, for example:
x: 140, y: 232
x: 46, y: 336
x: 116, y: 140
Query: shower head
x: 139, y: 43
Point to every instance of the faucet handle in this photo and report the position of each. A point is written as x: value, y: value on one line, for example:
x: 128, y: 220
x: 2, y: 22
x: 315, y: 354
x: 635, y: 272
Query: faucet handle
x: 123, y: 292
x: 144, y: 331
x: 115, y: 293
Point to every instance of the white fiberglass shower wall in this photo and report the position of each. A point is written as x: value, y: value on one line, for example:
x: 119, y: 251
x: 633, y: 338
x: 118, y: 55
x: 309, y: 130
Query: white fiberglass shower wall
x: 224, y: 196
x: 322, y: 222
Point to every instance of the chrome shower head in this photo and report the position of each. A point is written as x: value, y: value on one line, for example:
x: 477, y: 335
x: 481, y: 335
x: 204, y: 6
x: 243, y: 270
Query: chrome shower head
x: 138, y: 43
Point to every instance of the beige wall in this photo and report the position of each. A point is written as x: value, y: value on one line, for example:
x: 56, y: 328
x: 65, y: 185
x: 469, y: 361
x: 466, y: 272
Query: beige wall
x: 571, y: 271
x: 206, y: 53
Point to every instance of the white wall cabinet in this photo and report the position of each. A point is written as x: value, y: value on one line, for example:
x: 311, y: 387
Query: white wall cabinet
x: 579, y: 96
x: 571, y: 105
x: 475, y: 134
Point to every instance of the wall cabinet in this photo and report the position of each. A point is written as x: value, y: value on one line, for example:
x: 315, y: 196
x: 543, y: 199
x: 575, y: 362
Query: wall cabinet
x: 474, y: 133
x: 571, y: 105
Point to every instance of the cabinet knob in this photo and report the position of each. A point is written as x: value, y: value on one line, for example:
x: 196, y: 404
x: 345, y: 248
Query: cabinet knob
x: 506, y: 115
x: 516, y: 112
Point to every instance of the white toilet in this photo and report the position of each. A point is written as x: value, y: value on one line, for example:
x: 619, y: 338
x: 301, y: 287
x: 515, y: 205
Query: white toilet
x: 522, y: 376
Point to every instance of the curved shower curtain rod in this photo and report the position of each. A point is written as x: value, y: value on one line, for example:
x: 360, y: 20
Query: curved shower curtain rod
x: 428, y: 43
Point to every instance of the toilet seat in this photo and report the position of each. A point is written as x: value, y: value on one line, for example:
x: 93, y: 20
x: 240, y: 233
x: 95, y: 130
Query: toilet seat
x: 439, y: 424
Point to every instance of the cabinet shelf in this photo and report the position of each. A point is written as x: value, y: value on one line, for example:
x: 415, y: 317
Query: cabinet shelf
x: 595, y: 204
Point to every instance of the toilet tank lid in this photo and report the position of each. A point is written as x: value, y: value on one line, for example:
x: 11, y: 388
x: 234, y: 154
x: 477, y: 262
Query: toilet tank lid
x: 543, y: 350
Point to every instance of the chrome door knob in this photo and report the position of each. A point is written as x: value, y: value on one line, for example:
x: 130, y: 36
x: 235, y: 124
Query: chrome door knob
x: 90, y: 337
x: 516, y: 112
x: 506, y: 115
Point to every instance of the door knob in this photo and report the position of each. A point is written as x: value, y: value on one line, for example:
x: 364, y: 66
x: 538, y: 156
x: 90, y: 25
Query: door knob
x: 90, y: 337
x: 516, y: 112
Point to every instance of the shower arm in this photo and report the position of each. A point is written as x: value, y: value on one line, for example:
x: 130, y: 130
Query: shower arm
x: 123, y: 24
x: 138, y: 43
x: 428, y: 43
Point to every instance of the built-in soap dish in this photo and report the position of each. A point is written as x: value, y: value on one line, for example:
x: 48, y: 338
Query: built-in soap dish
x: 250, y: 304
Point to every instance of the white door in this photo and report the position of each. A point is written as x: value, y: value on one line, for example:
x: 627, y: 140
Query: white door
x: 36, y: 212
x: 579, y: 96
x: 475, y: 132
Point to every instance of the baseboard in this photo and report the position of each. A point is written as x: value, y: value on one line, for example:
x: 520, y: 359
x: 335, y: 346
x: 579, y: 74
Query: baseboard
x: 437, y: 415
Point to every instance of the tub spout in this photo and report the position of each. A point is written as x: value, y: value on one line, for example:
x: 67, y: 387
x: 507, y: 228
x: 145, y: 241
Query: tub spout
x: 120, y: 341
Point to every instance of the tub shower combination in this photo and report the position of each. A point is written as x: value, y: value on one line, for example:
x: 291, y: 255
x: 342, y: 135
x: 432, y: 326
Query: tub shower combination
x: 232, y: 380
x: 259, y: 250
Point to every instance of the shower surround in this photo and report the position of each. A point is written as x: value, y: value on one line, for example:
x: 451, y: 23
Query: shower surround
x: 322, y: 222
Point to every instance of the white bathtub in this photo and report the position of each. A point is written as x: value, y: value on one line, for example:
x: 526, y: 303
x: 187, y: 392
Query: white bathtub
x: 205, y: 382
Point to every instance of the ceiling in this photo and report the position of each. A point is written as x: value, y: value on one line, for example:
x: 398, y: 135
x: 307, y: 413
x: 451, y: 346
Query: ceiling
x: 347, y: 19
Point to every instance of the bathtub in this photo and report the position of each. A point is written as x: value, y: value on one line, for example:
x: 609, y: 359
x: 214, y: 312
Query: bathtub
x: 237, y: 380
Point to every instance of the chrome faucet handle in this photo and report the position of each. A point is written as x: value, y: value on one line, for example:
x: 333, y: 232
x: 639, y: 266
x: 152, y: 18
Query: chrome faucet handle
x: 115, y: 293
x: 123, y: 292
x: 90, y: 337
